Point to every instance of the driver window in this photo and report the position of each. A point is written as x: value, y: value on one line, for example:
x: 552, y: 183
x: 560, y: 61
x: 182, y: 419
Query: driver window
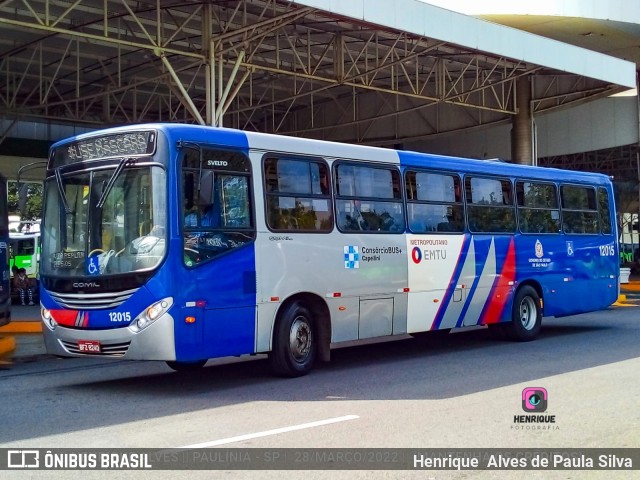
x: 216, y: 215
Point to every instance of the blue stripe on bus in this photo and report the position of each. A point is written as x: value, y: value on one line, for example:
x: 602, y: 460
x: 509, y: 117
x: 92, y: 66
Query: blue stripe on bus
x: 481, y: 245
x: 453, y: 282
x: 498, y: 298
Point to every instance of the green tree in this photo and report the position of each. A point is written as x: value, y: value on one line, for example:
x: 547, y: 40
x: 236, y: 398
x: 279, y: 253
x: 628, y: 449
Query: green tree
x: 33, y: 205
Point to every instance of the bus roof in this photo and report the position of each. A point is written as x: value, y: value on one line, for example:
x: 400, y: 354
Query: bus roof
x: 334, y: 150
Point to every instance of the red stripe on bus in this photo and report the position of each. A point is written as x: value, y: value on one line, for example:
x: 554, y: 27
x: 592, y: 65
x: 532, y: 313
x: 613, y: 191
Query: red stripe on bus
x: 499, y: 292
x: 65, y: 317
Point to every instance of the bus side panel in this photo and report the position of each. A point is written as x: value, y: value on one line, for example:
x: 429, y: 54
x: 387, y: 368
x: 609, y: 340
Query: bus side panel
x: 485, y: 273
x: 592, y: 281
x: 469, y: 282
x: 437, y: 265
x: 220, y: 294
x: 486, y: 280
x: 294, y: 263
x: 373, y: 280
x: 496, y: 308
x: 577, y: 273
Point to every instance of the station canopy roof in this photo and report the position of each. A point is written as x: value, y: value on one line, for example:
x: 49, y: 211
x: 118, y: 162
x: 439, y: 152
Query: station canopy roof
x: 366, y: 71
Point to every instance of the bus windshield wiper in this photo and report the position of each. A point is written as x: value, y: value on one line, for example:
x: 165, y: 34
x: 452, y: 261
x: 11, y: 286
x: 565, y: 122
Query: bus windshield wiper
x: 63, y: 195
x: 112, y: 181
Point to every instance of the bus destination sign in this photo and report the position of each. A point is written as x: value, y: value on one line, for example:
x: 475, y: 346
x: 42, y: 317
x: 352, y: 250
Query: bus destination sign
x: 105, y: 146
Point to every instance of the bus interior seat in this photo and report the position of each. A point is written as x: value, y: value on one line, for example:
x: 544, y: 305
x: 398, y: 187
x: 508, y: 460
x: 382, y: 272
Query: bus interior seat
x: 145, y: 228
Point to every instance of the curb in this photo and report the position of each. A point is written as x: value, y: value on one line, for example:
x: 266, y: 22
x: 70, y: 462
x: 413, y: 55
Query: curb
x: 632, y: 289
x: 7, y: 345
x: 30, y: 326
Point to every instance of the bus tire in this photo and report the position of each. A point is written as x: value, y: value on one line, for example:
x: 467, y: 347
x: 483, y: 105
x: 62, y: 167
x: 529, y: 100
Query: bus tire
x: 526, y: 315
x: 294, y: 342
x: 186, y: 366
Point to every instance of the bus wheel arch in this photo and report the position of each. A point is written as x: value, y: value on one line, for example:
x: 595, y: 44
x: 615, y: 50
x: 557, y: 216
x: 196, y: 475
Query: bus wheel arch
x: 301, y: 334
x: 526, y: 313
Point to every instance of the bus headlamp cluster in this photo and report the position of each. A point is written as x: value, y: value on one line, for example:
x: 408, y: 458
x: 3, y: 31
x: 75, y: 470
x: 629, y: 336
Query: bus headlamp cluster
x: 47, y: 318
x: 152, y: 313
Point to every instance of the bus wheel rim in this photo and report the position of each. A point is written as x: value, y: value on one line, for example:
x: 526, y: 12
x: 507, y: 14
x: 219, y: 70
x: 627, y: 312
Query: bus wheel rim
x: 528, y: 313
x: 300, y: 339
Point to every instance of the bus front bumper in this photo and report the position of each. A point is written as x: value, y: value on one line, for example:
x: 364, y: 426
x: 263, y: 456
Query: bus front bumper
x: 155, y: 342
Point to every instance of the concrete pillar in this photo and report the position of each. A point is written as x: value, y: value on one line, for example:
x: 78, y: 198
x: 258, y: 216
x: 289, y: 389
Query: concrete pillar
x: 521, y: 132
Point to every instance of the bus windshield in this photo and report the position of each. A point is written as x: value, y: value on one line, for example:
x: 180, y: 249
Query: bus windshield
x: 104, y: 222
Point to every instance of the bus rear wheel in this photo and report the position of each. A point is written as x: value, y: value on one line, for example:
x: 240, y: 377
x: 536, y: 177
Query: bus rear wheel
x: 186, y: 366
x: 526, y: 315
x: 294, y: 342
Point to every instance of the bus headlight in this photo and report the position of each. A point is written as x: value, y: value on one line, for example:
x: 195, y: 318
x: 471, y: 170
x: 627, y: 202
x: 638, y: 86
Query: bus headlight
x: 47, y: 318
x: 152, y: 313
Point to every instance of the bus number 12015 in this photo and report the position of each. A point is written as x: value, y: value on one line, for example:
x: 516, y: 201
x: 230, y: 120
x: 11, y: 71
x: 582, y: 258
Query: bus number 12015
x: 119, y: 316
x: 607, y: 250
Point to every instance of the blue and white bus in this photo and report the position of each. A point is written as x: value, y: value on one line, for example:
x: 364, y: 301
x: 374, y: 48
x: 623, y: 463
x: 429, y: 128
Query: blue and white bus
x: 183, y: 243
x: 5, y: 285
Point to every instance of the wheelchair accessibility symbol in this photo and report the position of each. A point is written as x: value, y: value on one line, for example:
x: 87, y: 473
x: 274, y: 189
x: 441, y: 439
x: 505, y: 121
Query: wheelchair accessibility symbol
x: 93, y: 265
x: 570, y: 249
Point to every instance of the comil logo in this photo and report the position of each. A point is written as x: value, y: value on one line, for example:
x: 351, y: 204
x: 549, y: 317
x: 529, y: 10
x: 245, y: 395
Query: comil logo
x: 534, y: 399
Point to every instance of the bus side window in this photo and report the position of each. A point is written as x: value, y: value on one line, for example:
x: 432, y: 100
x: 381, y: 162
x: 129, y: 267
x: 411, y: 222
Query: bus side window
x: 434, y: 202
x: 605, y: 211
x: 579, y: 209
x: 297, y: 195
x: 369, y: 199
x: 490, y: 205
x: 538, y: 210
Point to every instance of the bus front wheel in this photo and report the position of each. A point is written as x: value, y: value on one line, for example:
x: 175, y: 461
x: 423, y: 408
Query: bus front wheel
x: 294, y: 342
x: 526, y: 315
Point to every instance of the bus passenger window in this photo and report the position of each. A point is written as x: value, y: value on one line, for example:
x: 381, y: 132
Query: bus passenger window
x: 579, y: 209
x: 369, y: 199
x: 297, y: 195
x: 538, y: 210
x: 434, y: 202
x: 605, y: 211
x: 490, y: 205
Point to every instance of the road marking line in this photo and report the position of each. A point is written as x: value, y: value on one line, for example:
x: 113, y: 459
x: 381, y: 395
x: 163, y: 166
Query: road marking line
x: 275, y: 431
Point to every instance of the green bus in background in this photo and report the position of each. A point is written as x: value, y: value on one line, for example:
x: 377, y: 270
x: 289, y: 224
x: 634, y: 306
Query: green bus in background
x: 24, y: 252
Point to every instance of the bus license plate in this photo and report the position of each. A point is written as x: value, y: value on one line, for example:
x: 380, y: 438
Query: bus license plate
x: 89, y: 346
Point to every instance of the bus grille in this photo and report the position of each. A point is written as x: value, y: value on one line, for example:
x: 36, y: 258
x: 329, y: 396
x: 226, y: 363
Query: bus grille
x: 106, y: 349
x: 92, y: 301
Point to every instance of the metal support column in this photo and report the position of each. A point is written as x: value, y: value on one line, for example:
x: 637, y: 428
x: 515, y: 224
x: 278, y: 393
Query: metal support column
x: 521, y: 131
